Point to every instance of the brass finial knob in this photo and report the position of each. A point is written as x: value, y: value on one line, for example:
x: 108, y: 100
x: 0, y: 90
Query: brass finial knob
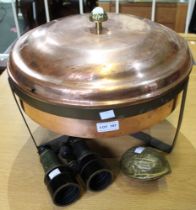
x: 98, y: 15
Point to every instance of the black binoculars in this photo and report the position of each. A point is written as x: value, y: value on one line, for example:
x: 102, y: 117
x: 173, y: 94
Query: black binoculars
x: 72, y: 163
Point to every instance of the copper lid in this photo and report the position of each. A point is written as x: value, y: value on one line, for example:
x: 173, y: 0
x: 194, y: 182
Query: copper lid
x: 132, y: 60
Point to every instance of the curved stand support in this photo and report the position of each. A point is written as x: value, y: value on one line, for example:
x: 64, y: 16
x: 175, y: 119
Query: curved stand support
x: 157, y: 143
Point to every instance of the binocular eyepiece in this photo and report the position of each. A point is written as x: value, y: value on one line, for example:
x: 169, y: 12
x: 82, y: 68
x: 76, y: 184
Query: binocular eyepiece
x: 73, y: 159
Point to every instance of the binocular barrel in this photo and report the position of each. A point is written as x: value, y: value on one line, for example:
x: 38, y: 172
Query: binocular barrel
x: 92, y: 169
x: 73, y: 159
x: 59, y: 179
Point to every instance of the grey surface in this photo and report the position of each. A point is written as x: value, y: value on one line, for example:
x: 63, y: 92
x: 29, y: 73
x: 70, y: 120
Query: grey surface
x: 7, y: 35
x: 6, y: 24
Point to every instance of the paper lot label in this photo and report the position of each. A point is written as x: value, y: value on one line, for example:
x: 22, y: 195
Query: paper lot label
x: 107, y: 126
x: 107, y: 114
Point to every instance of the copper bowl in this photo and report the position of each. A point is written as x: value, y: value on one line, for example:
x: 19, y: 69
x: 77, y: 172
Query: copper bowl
x: 124, y: 79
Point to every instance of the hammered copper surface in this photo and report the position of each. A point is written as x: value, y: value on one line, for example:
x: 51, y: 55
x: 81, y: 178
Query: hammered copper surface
x: 66, y: 62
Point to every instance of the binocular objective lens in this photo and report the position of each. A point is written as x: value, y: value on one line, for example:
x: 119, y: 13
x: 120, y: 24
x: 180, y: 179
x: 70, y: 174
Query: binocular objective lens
x: 100, y: 180
x: 66, y: 194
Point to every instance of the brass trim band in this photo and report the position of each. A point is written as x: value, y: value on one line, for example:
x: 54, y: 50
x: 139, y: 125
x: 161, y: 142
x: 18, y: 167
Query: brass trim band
x: 94, y: 114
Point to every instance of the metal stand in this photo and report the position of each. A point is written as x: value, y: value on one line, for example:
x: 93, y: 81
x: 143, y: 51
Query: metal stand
x: 157, y: 143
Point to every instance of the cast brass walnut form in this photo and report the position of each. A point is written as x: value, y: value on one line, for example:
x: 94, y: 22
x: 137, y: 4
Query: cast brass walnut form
x: 144, y: 163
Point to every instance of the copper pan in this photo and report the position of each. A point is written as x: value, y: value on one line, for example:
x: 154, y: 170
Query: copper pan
x: 74, y: 79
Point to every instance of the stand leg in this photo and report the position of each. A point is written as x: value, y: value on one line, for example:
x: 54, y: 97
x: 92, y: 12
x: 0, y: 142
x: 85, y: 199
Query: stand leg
x: 157, y: 143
